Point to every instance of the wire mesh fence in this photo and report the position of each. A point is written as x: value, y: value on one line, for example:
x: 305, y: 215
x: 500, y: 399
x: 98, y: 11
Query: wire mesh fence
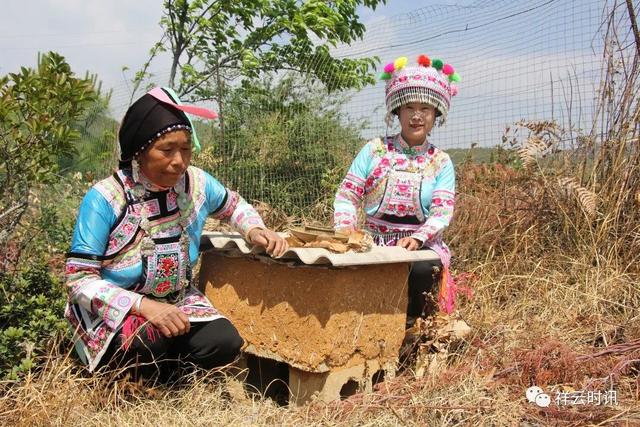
x: 287, y: 141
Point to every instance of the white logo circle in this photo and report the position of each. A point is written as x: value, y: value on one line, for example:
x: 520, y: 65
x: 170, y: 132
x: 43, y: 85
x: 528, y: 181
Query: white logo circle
x: 532, y: 392
x: 543, y: 400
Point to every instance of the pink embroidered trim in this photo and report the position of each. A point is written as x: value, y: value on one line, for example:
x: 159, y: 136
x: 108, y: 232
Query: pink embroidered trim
x: 124, y: 233
x: 230, y: 205
x: 355, y: 178
x: 352, y: 187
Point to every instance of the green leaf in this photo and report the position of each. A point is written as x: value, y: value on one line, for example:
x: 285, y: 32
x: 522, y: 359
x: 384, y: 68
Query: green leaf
x: 256, y: 37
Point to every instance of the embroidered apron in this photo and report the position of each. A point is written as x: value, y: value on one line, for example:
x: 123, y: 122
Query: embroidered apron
x: 162, y: 273
x: 400, y: 205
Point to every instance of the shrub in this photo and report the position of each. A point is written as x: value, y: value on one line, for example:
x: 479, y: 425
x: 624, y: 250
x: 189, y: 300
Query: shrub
x: 31, y: 315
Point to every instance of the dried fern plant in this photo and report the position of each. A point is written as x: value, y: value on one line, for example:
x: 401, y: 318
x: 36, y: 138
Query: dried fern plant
x: 533, y: 149
x: 570, y: 188
x: 543, y: 139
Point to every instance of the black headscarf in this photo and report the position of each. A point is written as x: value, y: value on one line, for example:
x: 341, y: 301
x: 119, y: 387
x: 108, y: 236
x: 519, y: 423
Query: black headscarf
x: 142, y: 122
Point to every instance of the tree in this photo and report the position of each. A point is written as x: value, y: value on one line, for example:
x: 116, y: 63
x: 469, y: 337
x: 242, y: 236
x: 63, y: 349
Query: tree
x: 213, y: 40
x: 97, y: 148
x: 39, y: 109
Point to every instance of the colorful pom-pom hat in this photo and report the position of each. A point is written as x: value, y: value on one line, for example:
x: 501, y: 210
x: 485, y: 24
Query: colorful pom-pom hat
x: 431, y: 82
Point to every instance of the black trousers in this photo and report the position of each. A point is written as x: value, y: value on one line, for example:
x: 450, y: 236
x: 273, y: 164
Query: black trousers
x: 206, y: 345
x: 423, y: 291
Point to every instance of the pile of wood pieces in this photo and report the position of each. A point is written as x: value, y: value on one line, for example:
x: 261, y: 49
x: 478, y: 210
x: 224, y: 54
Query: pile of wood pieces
x: 327, y: 238
x: 429, y: 342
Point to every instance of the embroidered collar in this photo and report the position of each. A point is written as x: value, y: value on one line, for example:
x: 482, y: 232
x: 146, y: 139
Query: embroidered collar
x: 151, y: 187
x: 409, y: 150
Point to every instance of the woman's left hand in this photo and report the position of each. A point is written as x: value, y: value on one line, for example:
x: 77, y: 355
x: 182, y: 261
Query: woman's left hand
x: 270, y: 240
x: 409, y: 243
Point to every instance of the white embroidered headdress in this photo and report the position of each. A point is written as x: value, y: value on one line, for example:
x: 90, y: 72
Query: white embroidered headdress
x: 431, y: 82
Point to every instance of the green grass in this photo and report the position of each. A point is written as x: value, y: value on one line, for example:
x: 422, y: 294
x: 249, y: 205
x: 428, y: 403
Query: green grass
x: 476, y: 154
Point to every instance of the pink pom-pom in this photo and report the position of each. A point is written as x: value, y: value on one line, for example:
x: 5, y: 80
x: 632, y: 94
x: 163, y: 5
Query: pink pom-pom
x: 447, y: 69
x: 453, y: 89
x: 389, y: 68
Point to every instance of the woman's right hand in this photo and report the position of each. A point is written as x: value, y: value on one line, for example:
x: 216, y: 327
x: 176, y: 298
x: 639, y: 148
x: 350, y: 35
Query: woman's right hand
x: 167, y: 318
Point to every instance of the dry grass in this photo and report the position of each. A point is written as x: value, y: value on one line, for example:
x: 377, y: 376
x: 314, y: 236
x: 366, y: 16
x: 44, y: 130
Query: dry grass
x: 535, y: 327
x: 543, y: 312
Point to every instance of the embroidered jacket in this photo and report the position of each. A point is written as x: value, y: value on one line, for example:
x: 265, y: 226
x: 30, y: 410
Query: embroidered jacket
x: 403, y: 190
x: 105, y: 270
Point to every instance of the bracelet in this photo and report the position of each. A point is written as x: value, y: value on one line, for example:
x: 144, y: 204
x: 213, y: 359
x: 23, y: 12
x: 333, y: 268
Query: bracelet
x: 137, y: 304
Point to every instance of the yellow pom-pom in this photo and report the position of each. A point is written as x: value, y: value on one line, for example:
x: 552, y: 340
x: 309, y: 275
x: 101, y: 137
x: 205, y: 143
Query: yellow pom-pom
x: 400, y: 62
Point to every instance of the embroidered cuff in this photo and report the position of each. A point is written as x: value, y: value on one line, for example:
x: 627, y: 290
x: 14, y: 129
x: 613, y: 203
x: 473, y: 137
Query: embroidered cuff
x: 351, y: 189
x: 245, y: 218
x: 345, y: 220
x: 228, y: 207
x: 420, y: 238
x: 113, y: 305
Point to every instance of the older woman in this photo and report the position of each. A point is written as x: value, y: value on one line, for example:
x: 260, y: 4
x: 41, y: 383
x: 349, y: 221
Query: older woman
x: 404, y: 183
x: 129, y: 270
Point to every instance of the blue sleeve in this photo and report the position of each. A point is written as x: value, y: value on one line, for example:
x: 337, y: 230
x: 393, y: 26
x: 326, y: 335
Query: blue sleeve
x: 446, y: 179
x: 442, y: 206
x: 93, y: 225
x: 228, y: 205
x: 84, y: 283
x: 215, y: 192
x: 361, y: 165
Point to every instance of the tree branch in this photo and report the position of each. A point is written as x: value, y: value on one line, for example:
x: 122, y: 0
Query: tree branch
x: 634, y: 25
x: 204, y: 12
